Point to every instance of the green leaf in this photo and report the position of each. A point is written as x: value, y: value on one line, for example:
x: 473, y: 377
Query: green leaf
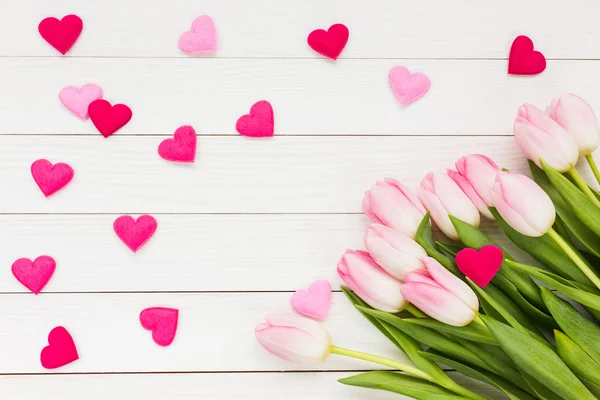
x: 576, y: 358
x: 507, y: 304
x: 450, y: 249
x: 540, y: 390
x: 529, y: 309
x: 472, y: 331
x: 593, y: 387
x: 424, y: 237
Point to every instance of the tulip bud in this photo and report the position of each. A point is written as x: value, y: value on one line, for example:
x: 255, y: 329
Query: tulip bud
x: 577, y: 117
x: 370, y: 282
x: 392, y: 204
x: 293, y: 338
x: 539, y: 136
x: 441, y: 295
x: 523, y: 204
x: 443, y: 197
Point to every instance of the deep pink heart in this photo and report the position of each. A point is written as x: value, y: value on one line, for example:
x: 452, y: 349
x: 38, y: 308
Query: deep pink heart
x: 60, y: 351
x: 313, y: 302
x: 162, y: 322
x: 480, y: 266
x: 51, y: 178
x: 135, y: 233
x: 34, y: 275
x: 260, y: 121
x: 182, y: 148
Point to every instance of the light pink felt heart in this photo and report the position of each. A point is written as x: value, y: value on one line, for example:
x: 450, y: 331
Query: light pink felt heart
x: 60, y: 351
x: 78, y: 100
x: 162, y: 322
x: 406, y: 86
x: 51, y: 178
x: 34, y: 275
x: 182, y: 148
x: 259, y: 123
x: 480, y: 266
x: 135, y: 233
x: 202, y: 38
x: 313, y: 302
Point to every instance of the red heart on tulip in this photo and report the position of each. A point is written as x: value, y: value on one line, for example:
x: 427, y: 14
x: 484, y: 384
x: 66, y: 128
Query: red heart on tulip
x: 135, y: 232
x: 108, y: 118
x: 51, y: 178
x: 182, y: 148
x: 34, y: 275
x: 331, y: 42
x: 523, y: 60
x: 60, y: 351
x: 61, y: 34
x: 259, y: 123
x: 480, y: 266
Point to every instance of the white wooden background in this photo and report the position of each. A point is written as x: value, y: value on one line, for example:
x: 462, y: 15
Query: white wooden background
x: 251, y: 220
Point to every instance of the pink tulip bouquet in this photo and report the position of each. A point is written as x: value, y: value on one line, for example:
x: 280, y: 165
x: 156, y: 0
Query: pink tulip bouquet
x: 530, y: 331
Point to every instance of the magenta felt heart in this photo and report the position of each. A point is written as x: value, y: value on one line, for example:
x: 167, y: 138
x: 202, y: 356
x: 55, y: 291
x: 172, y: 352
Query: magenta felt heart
x: 34, y: 275
x: 182, y: 148
x: 60, y: 351
x: 259, y: 123
x: 330, y: 42
x: 162, y: 322
x: 480, y: 266
x: 523, y: 59
x: 313, y: 302
x: 135, y: 233
x: 51, y: 178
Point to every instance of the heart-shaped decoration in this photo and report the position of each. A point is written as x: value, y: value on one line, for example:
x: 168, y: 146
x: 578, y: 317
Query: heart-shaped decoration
x: 182, y: 148
x: 331, y: 42
x: 259, y: 123
x: 313, y: 302
x: 523, y: 60
x: 60, y: 351
x: 78, y: 100
x: 34, y: 275
x: 202, y: 38
x: 406, y: 86
x: 480, y: 266
x: 162, y: 322
x: 61, y: 34
x: 51, y: 178
x: 135, y: 232
x: 108, y: 118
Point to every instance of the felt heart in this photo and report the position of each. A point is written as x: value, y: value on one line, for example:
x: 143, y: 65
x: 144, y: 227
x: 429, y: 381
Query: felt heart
x: 162, y: 322
x: 202, y: 38
x: 135, y: 232
x: 108, y: 118
x: 51, y: 178
x: 34, y: 275
x: 182, y: 148
x: 78, y: 100
x: 260, y: 121
x: 480, y: 266
x: 523, y: 60
x: 313, y: 302
x: 61, y: 34
x: 60, y: 351
x: 329, y: 43
x: 406, y: 86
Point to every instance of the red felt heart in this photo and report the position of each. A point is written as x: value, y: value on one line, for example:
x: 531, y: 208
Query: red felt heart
x: 108, y: 118
x: 182, y: 148
x: 162, y: 322
x: 329, y: 43
x: 259, y: 123
x: 60, y: 351
x: 51, y: 178
x: 480, y: 266
x: 523, y: 60
x: 61, y: 34
x: 135, y: 233
x: 34, y: 275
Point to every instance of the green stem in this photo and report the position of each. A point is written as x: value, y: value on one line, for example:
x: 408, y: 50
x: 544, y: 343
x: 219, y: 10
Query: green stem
x: 415, y: 311
x: 593, y: 166
x: 575, y: 257
x: 583, y: 186
x: 478, y: 320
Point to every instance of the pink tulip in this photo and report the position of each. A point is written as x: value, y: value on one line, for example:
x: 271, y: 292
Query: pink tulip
x: 577, y: 117
x: 396, y: 253
x: 539, y: 136
x: 370, y: 282
x: 441, y: 295
x: 293, y: 338
x: 392, y: 204
x: 443, y: 197
x: 523, y: 204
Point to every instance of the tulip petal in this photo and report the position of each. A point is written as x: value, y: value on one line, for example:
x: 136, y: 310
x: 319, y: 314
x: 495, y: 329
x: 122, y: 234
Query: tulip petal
x: 577, y: 117
x: 471, y: 193
x: 480, y: 171
x: 366, y: 206
x: 455, y: 201
x: 448, y: 281
x: 432, y: 203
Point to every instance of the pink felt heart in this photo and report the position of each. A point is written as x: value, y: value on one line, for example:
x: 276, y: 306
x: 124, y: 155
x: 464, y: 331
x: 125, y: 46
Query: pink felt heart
x: 34, y: 275
x: 51, y: 178
x: 108, y: 118
x: 60, y: 351
x: 331, y: 42
x: 61, y: 34
x: 480, y: 266
x: 78, y: 100
x: 523, y: 60
x: 162, y: 322
x: 202, y: 38
x: 259, y: 123
x: 135, y: 233
x: 182, y: 148
x: 313, y: 302
x: 406, y: 86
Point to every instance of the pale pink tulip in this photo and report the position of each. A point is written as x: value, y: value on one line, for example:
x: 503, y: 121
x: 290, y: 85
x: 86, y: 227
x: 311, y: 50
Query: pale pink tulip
x: 577, y: 117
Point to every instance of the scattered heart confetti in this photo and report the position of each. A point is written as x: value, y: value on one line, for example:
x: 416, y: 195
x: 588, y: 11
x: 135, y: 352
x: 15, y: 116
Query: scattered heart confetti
x: 480, y: 266
x: 60, y: 351
x: 406, y: 86
x: 108, y: 118
x: 51, y: 178
x: 313, y: 302
x: 259, y: 123
x: 523, y: 60
x: 182, y: 148
x: 135, y: 232
x: 34, y: 275
x: 61, y: 34
x: 78, y: 100
x: 162, y: 322
x: 329, y: 43
x: 202, y: 38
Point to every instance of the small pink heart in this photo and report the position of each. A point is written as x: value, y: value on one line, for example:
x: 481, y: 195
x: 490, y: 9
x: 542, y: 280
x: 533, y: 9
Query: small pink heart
x: 51, y: 178
x: 34, y: 275
x: 135, y: 232
x: 78, y: 100
x: 202, y: 38
x: 406, y: 86
x: 60, y: 351
x: 480, y: 266
x: 313, y: 302
x: 182, y: 148
x: 162, y: 322
x: 259, y: 123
